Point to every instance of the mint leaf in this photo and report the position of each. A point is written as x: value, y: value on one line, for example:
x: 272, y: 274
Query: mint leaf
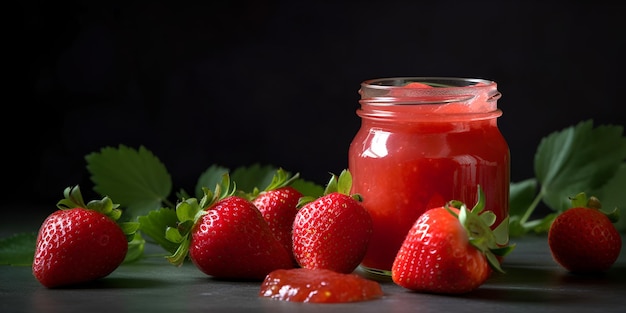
x: 18, y: 249
x: 580, y: 158
x: 135, y: 179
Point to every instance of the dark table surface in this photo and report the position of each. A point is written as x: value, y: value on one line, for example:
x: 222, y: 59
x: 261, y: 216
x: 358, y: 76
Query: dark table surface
x: 533, y: 283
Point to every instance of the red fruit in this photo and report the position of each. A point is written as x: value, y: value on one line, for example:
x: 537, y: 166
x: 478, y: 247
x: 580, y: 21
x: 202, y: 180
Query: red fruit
x: 450, y: 250
x: 332, y: 231
x: 227, y: 238
x: 318, y: 286
x: 278, y: 204
x: 232, y: 240
x: 79, y: 243
x: 583, y: 239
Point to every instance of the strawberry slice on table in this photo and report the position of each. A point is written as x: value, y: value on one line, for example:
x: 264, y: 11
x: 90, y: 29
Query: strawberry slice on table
x: 278, y: 204
x: 583, y: 239
x: 226, y: 237
x: 332, y: 231
x: 451, y: 249
x: 80, y: 242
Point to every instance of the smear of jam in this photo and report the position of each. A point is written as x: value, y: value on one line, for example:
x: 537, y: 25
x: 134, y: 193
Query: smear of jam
x: 318, y: 286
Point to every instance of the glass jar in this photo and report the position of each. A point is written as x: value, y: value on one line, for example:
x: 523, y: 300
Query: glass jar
x: 424, y: 141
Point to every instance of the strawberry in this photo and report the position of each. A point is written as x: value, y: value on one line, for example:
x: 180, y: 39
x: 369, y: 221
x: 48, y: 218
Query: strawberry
x: 583, y: 239
x: 451, y: 249
x: 226, y: 237
x: 278, y: 204
x: 80, y: 242
x: 333, y: 231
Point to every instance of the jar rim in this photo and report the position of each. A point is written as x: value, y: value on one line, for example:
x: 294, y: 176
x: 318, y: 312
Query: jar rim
x: 434, y: 81
x: 434, y: 96
x: 431, y: 90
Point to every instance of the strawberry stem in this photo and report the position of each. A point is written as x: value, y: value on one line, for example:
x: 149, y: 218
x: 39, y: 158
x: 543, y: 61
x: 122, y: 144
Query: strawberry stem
x: 529, y: 211
x: 581, y: 201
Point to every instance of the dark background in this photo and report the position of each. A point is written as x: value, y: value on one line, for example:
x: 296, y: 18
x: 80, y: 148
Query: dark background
x: 275, y: 82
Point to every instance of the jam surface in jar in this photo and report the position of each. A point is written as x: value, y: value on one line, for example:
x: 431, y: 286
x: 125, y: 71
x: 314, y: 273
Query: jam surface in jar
x: 318, y: 286
x: 419, y: 149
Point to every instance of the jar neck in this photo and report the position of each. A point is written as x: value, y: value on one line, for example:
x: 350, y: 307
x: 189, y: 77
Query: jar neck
x: 406, y: 114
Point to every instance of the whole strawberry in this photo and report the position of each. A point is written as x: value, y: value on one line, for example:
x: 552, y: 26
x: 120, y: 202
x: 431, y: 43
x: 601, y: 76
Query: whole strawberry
x: 80, y: 242
x: 278, y: 204
x: 333, y: 231
x: 450, y: 249
x: 226, y: 237
x: 583, y: 239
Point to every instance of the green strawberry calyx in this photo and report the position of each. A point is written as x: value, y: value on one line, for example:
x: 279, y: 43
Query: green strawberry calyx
x: 341, y: 184
x: 189, y: 211
x: 477, y: 223
x: 280, y: 179
x: 73, y: 198
x: 581, y: 201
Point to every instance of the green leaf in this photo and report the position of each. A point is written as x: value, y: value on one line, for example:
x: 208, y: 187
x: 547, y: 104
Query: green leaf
x: 135, y: 248
x: 521, y: 196
x: 255, y: 176
x: 18, y: 249
x: 179, y: 256
x: 134, y: 210
x: 308, y: 188
x: 154, y: 225
x: 344, y: 182
x: 612, y: 196
x: 501, y: 232
x: 172, y: 234
x: 542, y: 226
x: 209, y: 179
x: 332, y: 185
x: 250, y: 178
x: 516, y: 228
x: 579, y: 200
x: 577, y: 159
x: 135, y: 179
x: 130, y: 229
x: 187, y: 210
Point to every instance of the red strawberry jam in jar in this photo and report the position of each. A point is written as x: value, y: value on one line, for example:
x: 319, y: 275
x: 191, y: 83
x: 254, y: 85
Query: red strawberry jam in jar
x: 424, y: 141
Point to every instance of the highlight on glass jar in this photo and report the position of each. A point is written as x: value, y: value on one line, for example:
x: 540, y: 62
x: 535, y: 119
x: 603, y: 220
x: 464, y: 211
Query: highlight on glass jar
x: 422, y: 142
